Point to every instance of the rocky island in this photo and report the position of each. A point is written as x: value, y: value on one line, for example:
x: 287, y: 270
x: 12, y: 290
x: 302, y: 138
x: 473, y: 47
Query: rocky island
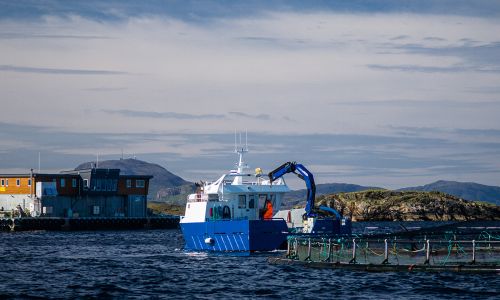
x: 387, y: 205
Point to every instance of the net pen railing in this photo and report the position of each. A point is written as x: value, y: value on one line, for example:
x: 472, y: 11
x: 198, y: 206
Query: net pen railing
x: 431, y: 250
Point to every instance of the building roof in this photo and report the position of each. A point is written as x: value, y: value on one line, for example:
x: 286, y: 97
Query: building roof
x: 72, y: 173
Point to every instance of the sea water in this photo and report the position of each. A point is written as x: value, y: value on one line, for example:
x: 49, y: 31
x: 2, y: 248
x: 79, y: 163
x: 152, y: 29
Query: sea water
x: 152, y: 264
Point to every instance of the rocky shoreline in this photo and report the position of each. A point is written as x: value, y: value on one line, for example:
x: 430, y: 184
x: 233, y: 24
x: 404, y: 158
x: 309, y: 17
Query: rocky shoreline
x: 387, y: 205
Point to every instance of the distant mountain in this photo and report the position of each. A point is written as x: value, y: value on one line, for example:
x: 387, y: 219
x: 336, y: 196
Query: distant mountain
x: 464, y: 190
x: 296, y: 197
x: 162, y: 185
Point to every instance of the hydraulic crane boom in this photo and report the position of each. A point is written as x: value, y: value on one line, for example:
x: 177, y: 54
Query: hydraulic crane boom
x: 311, y: 222
x: 302, y: 173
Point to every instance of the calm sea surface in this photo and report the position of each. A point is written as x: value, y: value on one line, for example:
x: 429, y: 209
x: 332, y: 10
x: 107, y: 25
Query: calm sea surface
x: 152, y: 264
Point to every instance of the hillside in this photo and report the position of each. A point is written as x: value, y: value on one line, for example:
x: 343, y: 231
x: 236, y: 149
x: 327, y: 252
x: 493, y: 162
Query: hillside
x: 385, y: 205
x: 163, y: 185
x: 295, y: 197
x: 464, y: 190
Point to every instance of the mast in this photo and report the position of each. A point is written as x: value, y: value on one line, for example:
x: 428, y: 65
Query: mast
x: 241, y: 165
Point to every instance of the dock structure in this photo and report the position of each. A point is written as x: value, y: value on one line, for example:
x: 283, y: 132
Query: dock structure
x: 95, y: 192
x: 88, y: 199
x: 103, y: 223
x: 452, y: 251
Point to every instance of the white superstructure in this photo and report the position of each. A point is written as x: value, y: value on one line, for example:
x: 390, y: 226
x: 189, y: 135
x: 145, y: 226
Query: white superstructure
x: 235, y: 195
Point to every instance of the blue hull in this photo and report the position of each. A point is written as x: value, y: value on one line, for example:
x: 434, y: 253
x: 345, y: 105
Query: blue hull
x: 235, y: 235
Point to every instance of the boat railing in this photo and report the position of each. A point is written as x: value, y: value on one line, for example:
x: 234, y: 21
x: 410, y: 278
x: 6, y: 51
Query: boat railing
x: 198, y: 197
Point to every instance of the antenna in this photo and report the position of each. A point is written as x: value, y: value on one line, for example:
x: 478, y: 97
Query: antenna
x: 246, y: 139
x: 38, y: 161
x: 97, y: 162
x: 235, y: 148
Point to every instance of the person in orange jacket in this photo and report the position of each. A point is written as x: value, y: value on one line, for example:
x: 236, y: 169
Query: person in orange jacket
x: 268, y: 210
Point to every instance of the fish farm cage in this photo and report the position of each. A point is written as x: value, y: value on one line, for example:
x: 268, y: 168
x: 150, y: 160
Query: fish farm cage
x: 466, y: 249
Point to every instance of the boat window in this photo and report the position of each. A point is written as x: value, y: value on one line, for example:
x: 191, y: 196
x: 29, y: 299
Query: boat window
x: 213, y: 197
x: 251, y: 201
x: 242, y: 203
x: 273, y: 199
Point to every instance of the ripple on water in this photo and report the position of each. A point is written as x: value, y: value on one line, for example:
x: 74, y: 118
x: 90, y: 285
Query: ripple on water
x: 143, y: 264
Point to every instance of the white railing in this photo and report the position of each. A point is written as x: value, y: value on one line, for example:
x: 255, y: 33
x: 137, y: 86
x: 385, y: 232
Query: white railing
x: 198, y: 197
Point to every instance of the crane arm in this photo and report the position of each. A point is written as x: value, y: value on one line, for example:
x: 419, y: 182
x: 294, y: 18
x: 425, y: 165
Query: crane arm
x: 302, y: 173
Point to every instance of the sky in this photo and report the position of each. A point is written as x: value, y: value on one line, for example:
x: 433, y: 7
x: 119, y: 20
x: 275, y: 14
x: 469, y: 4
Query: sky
x: 378, y: 93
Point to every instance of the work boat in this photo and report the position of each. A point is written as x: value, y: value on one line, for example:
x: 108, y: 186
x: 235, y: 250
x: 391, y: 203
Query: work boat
x: 234, y: 213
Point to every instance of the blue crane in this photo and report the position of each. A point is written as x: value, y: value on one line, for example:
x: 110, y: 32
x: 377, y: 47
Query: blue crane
x: 304, y: 174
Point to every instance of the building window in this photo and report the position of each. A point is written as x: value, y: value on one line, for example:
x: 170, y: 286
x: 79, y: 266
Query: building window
x: 3, y: 182
x: 86, y: 183
x: 129, y: 183
x: 73, y: 182
x: 63, y: 182
x: 139, y: 183
x: 29, y: 182
x: 6, y: 182
x: 18, y: 182
x: 242, y: 201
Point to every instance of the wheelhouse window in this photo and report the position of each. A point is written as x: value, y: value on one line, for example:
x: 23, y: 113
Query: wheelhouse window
x: 213, y: 197
x: 139, y: 183
x: 242, y: 201
x: 251, y: 201
x: 262, y: 200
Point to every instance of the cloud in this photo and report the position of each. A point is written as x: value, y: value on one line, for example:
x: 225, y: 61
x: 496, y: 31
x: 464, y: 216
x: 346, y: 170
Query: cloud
x: 483, y: 58
x: 423, y: 104
x: 399, y: 37
x: 434, y: 39
x: 196, y: 11
x: 360, y: 158
x: 245, y: 115
x: 18, y: 35
x: 105, y: 89
x: 433, y: 69
x: 161, y: 115
x: 21, y: 69
x: 212, y: 67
